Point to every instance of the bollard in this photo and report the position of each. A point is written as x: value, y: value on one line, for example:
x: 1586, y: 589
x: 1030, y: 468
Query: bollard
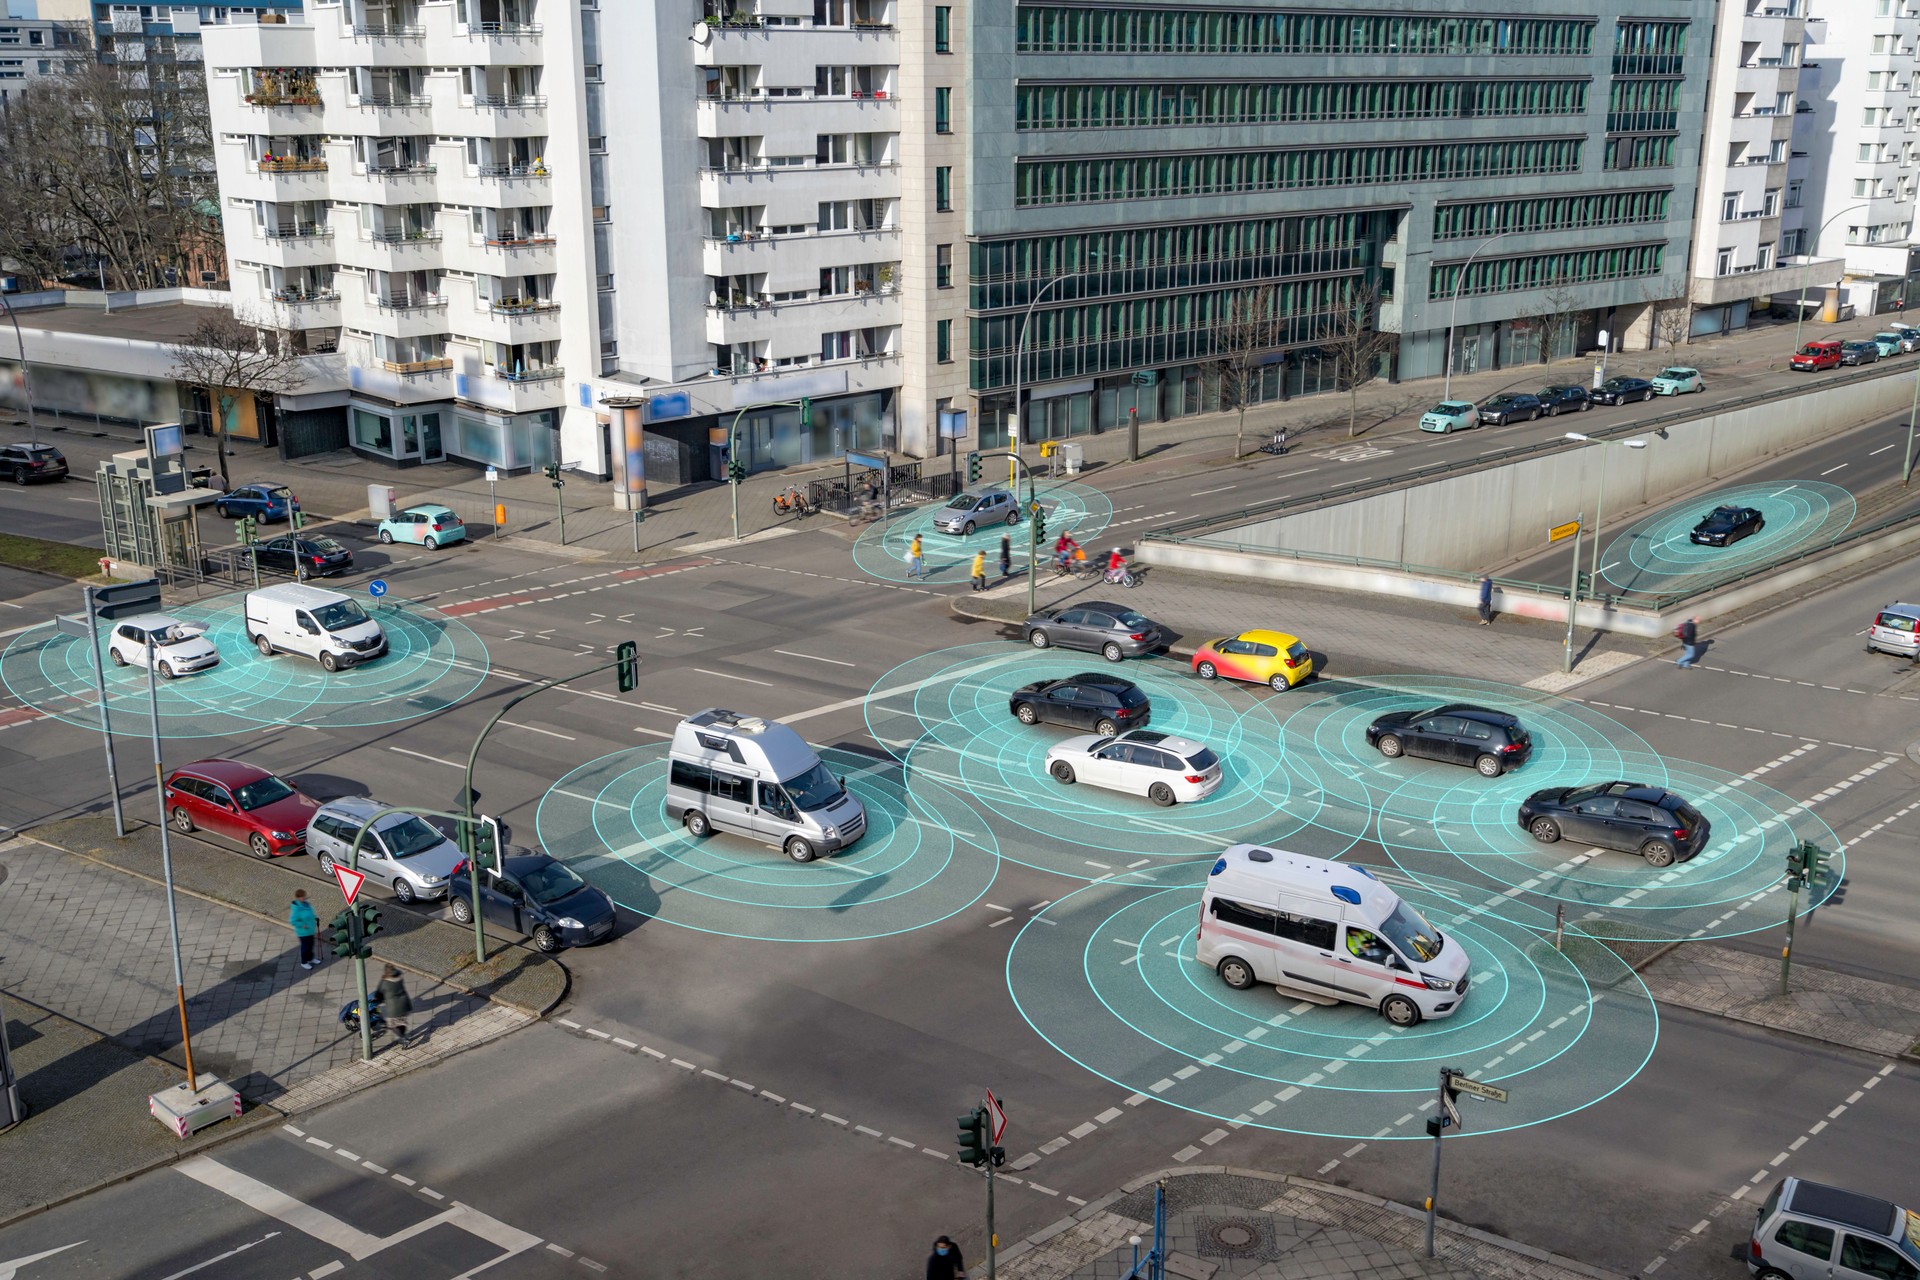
x: 499, y: 515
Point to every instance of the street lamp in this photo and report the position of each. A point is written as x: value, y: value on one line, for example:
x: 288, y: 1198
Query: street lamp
x: 1454, y: 311
x: 1600, y: 504
x: 1800, y: 307
x: 26, y: 379
x: 1019, y: 368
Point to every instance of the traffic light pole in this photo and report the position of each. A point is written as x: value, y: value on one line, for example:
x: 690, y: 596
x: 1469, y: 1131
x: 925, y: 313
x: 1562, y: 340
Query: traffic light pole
x: 106, y: 729
x: 1573, y: 589
x: 1786, y: 952
x: 993, y: 1237
x: 1033, y: 525
x: 166, y: 867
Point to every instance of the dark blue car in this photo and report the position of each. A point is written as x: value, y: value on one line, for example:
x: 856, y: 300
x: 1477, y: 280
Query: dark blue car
x: 535, y: 895
x: 261, y: 501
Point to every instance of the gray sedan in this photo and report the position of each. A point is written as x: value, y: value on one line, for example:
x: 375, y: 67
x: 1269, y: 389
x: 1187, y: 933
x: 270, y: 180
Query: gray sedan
x: 1111, y: 630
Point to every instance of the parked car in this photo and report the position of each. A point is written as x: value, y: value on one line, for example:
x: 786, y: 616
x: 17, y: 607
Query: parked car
x: 1622, y: 391
x: 1113, y: 631
x: 1895, y: 629
x: 25, y: 463
x: 1273, y: 658
x: 1165, y: 769
x: 261, y: 501
x: 1890, y: 343
x: 1677, y: 381
x: 1630, y: 816
x: 1908, y: 335
x: 319, y: 555
x: 966, y: 511
x: 242, y: 802
x: 179, y: 648
x: 1450, y: 415
x: 1515, y: 406
x: 1105, y: 704
x: 1859, y: 352
x: 1724, y: 526
x: 429, y: 525
x: 1458, y: 733
x: 1810, y: 1231
x: 403, y: 851
x: 534, y: 894
x: 1824, y: 354
x: 1568, y: 398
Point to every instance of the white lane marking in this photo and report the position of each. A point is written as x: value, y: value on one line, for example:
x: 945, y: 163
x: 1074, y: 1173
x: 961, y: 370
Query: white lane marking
x: 814, y: 657
x: 1830, y: 470
x: 724, y: 675
x: 536, y: 729
x: 261, y: 1198
x: 421, y: 755
x: 1204, y: 492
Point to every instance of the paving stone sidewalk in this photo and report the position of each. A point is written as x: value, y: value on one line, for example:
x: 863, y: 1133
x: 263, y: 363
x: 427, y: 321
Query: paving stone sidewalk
x: 1838, y: 1008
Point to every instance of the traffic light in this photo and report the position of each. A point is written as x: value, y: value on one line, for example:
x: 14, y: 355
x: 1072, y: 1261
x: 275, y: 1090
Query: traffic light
x: 1816, y: 858
x: 245, y: 529
x: 298, y: 518
x: 806, y: 412
x: 971, y: 1142
x: 1585, y: 584
x: 1039, y: 524
x: 340, y: 933
x: 973, y: 467
x: 736, y: 471
x: 629, y: 657
x: 552, y: 472
x: 1796, y: 866
x: 369, y: 925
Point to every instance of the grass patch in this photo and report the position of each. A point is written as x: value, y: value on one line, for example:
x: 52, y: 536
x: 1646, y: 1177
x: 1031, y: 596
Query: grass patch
x: 42, y: 556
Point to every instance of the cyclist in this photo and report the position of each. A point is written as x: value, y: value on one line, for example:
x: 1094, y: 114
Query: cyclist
x: 1116, y: 566
x: 1063, y: 551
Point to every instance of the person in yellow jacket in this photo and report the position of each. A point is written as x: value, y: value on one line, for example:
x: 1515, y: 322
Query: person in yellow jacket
x: 979, y: 571
x: 916, y: 562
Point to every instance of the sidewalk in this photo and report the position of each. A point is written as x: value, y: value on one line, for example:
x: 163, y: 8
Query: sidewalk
x: 1225, y: 1222
x: 1838, y: 1008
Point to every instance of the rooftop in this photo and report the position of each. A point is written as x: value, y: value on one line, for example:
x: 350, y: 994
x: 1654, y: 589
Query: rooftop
x: 162, y: 322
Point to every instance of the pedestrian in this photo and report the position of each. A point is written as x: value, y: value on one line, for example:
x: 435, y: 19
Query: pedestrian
x: 944, y: 1262
x: 1486, y: 600
x: 1006, y: 557
x: 393, y: 1002
x: 1688, y: 634
x: 305, y: 925
x: 979, y: 571
x: 916, y: 567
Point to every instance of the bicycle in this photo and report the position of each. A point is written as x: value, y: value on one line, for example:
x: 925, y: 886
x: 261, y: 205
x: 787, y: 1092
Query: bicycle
x: 1122, y: 578
x: 793, y: 503
x: 1276, y: 447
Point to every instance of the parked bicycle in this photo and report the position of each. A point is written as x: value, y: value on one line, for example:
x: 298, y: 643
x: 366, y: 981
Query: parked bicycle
x: 793, y: 503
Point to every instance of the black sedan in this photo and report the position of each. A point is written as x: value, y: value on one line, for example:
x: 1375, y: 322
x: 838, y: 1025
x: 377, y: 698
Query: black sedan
x: 1859, y: 352
x: 1113, y: 631
x: 1100, y: 703
x: 1516, y: 407
x: 1564, y: 399
x: 1629, y: 816
x: 1458, y: 733
x: 1622, y: 391
x: 319, y: 555
x: 538, y: 896
x: 1726, y: 525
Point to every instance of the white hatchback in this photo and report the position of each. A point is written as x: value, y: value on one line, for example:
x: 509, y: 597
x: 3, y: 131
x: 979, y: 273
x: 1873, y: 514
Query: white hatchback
x: 1164, y: 768
x: 179, y: 648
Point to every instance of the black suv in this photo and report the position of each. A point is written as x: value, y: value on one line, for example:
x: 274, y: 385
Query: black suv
x: 1628, y: 816
x: 23, y: 462
x: 1622, y: 391
x: 1491, y: 741
x: 1567, y: 399
x: 1102, y: 703
x: 320, y: 556
x: 1515, y: 407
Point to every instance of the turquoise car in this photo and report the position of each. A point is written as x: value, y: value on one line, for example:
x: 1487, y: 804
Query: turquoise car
x: 1890, y: 344
x: 1450, y: 415
x: 430, y: 526
x: 1677, y: 382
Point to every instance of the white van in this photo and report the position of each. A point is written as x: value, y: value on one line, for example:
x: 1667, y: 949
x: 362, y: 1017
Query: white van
x: 323, y: 625
x: 1326, y: 932
x: 758, y: 779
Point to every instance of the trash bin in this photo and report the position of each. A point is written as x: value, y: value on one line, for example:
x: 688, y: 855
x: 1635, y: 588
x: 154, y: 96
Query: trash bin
x: 1074, y: 454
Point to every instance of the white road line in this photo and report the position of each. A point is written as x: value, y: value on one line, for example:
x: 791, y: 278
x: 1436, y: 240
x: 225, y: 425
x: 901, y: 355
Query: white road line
x: 814, y: 657
x: 1204, y: 492
x: 536, y: 729
x: 724, y: 675
x: 1830, y: 470
x: 261, y: 1198
x: 421, y: 755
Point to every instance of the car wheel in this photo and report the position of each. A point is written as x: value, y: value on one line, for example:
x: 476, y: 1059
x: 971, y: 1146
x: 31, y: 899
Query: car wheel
x: 19, y: 475
x: 1488, y: 765
x: 1207, y: 671
x: 430, y: 542
x: 1585, y: 405
x: 1545, y: 830
x: 329, y: 663
x: 1161, y: 794
x: 119, y: 659
x: 166, y: 671
x: 697, y: 825
x: 461, y: 910
x: 967, y: 529
x: 386, y: 537
x: 264, y: 645
x: 1236, y: 973
x: 258, y: 843
x: 799, y: 849
x: 402, y: 890
x: 1658, y: 853
x: 1646, y: 395
x: 1400, y: 1011
x: 1534, y: 416
x: 546, y: 939
x: 326, y: 866
x: 1026, y: 713
x: 1039, y: 639
x: 1013, y: 518
x: 1106, y: 728
x: 1061, y: 771
x: 1770, y: 1274
x: 1278, y: 683
x: 1112, y: 652
x: 1391, y: 747
x: 222, y: 512
x: 183, y: 822
x: 1553, y: 411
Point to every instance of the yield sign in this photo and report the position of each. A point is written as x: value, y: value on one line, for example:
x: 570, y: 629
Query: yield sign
x: 350, y: 881
x: 996, y: 1117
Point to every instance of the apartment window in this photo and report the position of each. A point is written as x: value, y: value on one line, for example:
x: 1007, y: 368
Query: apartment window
x: 943, y: 111
x: 943, y: 266
x: 1862, y: 187
x: 1777, y: 154
x: 1765, y: 260
x: 942, y: 28
x: 943, y: 341
x: 1770, y: 204
x: 1880, y: 43
x: 1870, y: 117
x: 943, y: 189
x: 1725, y: 264
x: 837, y: 346
x: 1729, y: 206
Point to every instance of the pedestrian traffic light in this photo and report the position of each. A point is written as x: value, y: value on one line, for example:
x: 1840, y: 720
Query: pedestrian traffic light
x: 971, y: 1142
x: 297, y: 518
x: 369, y: 925
x: 973, y: 467
x: 340, y: 933
x: 629, y: 657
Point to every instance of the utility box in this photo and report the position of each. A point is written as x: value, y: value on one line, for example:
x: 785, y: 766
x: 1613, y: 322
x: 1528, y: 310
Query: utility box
x: 380, y: 501
x: 186, y: 1111
x: 1075, y: 456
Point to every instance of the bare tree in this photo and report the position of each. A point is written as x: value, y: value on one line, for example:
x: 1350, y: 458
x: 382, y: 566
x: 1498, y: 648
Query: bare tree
x: 1249, y: 330
x: 228, y: 356
x: 1351, y: 340
x: 1668, y: 316
x: 1553, y: 314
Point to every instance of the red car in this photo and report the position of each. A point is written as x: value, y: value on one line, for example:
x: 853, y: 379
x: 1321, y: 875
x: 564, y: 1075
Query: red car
x: 1824, y: 354
x: 243, y: 802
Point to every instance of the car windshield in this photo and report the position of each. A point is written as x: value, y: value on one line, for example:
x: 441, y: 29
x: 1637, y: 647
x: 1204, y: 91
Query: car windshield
x: 1679, y: 375
x: 1202, y: 760
x: 278, y: 493
x: 340, y: 614
x: 325, y: 546
x: 964, y: 501
x: 1131, y: 620
x: 1811, y: 351
x: 1578, y: 794
x: 814, y: 789
x: 409, y: 837
x: 1410, y: 933
x: 1615, y: 384
x: 44, y: 452
x: 1450, y: 408
x: 552, y: 883
x: 258, y: 795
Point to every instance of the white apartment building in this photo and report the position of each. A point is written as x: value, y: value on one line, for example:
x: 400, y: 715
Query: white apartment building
x: 35, y: 49
x: 1863, y: 81
x: 1749, y: 235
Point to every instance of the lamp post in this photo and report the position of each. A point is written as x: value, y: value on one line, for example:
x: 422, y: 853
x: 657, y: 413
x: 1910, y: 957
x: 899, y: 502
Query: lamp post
x: 1019, y: 368
x: 1454, y: 311
x: 1906, y: 467
x: 1600, y: 503
x: 26, y: 379
x: 1800, y: 308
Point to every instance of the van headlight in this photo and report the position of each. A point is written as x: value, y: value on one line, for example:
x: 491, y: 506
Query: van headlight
x: 831, y: 833
x: 1437, y: 984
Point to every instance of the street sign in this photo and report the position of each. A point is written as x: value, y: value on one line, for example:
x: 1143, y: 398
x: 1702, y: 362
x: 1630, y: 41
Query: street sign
x: 377, y: 588
x: 1560, y: 531
x: 126, y: 599
x: 72, y: 624
x: 1452, y: 1109
x: 1460, y: 1084
x: 996, y: 1118
x: 493, y: 476
x: 350, y: 881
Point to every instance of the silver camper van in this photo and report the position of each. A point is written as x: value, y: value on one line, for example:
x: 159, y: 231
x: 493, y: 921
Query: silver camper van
x: 755, y: 778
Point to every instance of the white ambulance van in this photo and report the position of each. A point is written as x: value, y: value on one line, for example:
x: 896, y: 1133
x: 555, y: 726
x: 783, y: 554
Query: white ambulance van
x: 1326, y: 932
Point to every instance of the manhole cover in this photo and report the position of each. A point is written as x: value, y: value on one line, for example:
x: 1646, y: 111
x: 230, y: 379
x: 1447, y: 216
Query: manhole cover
x: 1235, y: 1238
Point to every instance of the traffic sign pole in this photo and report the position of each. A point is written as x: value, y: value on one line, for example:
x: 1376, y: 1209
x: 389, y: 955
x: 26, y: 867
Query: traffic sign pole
x: 166, y: 865
x: 1438, y: 1126
x: 100, y: 692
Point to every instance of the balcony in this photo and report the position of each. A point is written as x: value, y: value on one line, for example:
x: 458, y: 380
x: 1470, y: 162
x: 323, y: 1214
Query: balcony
x: 415, y: 170
x: 761, y: 321
x: 289, y: 164
x: 418, y: 368
x: 733, y: 186
x: 309, y: 246
x: 391, y: 114
x: 510, y: 102
x: 514, y: 322
x: 304, y: 308
x: 516, y: 390
x: 797, y: 257
x: 503, y: 44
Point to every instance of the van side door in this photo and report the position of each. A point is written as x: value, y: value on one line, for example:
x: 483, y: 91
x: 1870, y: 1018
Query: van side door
x: 730, y: 803
x: 307, y: 637
x: 1864, y: 1258
x: 1368, y: 962
x: 774, y: 817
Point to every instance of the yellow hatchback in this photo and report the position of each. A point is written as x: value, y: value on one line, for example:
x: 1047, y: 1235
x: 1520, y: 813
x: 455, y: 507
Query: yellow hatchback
x: 1272, y: 658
